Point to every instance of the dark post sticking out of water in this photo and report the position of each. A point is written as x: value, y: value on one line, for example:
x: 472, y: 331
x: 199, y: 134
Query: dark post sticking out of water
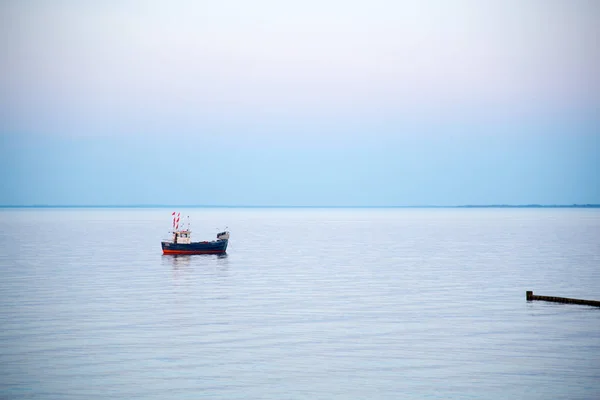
x: 531, y: 297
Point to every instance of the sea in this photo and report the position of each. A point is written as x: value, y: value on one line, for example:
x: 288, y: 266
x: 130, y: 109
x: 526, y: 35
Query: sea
x: 308, y: 303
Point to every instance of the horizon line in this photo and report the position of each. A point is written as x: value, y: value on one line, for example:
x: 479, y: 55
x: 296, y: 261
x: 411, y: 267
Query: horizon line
x: 582, y: 205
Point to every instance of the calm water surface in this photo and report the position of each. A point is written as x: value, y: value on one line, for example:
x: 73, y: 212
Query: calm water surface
x: 307, y: 304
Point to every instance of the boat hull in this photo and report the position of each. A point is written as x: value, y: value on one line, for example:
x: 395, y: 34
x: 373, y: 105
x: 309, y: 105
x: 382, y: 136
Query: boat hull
x: 214, y: 247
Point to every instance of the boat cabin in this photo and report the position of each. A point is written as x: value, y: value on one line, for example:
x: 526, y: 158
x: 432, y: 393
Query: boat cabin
x: 182, y: 237
x: 223, y: 235
x: 185, y: 236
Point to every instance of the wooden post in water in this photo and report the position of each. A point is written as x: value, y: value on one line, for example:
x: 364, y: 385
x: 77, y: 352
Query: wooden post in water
x: 530, y: 297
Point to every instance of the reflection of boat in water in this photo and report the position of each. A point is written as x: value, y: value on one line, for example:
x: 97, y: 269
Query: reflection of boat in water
x: 181, y: 242
x: 179, y: 261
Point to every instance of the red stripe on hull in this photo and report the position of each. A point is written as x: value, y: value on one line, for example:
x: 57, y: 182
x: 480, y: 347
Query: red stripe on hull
x: 193, y: 252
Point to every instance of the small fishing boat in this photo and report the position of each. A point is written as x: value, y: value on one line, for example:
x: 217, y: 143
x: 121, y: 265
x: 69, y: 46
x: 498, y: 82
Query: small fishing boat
x: 181, y: 242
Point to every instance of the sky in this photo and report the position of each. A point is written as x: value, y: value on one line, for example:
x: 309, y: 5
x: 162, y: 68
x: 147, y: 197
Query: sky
x: 378, y: 103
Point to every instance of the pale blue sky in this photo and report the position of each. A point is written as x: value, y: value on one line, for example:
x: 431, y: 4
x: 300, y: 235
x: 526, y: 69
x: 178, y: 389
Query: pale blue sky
x: 300, y: 103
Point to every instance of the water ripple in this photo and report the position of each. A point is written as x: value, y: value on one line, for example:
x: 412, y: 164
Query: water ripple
x: 307, y: 304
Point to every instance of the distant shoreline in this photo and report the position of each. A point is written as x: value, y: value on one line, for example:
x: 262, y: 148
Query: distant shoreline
x: 314, y: 207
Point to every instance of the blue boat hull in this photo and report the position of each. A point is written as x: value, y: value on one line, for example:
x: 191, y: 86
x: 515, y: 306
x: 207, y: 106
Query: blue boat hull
x: 214, y: 247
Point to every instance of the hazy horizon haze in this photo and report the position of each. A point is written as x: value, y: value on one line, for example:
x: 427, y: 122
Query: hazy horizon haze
x: 302, y: 103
